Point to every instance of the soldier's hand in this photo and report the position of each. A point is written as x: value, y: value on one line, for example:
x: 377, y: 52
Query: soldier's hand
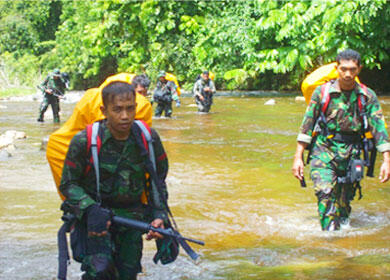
x: 201, y: 97
x: 384, y: 174
x: 157, y: 223
x: 48, y: 91
x: 298, y: 167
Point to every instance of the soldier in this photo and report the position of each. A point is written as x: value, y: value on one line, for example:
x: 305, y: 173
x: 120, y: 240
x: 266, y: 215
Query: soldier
x: 114, y: 252
x: 53, y: 88
x: 141, y: 84
x: 349, y: 107
x: 164, y: 93
x: 204, y: 89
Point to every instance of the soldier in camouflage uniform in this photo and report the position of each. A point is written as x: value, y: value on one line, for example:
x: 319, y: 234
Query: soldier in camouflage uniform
x: 204, y: 89
x: 114, y: 252
x: 164, y: 93
x: 53, y: 88
x: 331, y: 156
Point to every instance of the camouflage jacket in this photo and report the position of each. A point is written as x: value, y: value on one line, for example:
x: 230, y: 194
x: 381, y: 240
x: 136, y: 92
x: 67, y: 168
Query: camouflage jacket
x: 122, y: 166
x: 200, y: 84
x: 343, y: 116
x: 58, y: 85
x: 166, y: 89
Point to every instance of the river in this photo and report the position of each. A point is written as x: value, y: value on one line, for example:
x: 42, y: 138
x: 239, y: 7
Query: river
x: 230, y: 184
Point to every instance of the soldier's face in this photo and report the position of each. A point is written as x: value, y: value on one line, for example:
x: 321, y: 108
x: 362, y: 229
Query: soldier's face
x: 120, y: 114
x: 348, y: 70
x: 141, y: 90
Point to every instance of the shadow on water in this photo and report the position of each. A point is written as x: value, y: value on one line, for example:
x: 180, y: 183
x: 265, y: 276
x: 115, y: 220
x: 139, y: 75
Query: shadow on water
x: 230, y: 184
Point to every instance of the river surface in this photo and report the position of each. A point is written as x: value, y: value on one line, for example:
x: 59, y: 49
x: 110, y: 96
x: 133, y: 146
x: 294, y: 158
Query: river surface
x: 230, y: 184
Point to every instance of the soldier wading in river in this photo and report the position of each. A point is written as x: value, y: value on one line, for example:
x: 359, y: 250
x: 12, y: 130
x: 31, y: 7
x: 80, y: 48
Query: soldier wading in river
x: 164, y: 93
x: 204, y: 89
x: 113, y: 251
x: 53, y: 88
x: 343, y: 111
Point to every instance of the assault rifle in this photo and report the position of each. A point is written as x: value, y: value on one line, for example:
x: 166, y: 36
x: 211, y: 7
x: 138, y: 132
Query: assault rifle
x: 55, y: 92
x: 145, y: 227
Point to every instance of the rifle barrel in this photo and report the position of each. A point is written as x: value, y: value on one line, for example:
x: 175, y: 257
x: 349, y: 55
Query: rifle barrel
x: 145, y: 227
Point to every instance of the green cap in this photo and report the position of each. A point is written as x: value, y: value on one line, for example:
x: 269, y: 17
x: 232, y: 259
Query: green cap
x: 56, y: 72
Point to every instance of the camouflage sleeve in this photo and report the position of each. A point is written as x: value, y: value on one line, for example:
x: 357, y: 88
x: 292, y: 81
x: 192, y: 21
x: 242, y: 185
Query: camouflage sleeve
x: 212, y: 87
x: 197, y: 90
x: 44, y: 83
x: 162, y: 172
x: 310, y: 118
x: 72, y: 173
x: 376, y: 123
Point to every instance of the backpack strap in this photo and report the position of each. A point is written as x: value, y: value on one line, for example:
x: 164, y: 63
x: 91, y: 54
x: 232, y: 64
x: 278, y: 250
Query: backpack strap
x: 94, y: 144
x: 147, y: 140
x: 325, y: 97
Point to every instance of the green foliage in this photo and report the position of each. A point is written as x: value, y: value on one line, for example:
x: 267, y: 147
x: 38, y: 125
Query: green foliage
x: 252, y: 44
x: 18, y: 72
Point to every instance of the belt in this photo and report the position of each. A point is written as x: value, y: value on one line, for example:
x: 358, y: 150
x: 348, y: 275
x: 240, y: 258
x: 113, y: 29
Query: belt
x: 348, y: 138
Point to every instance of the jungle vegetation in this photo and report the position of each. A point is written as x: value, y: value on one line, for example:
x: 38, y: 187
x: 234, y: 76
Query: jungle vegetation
x: 253, y: 44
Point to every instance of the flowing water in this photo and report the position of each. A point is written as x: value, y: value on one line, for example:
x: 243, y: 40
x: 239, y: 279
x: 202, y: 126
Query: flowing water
x: 230, y: 184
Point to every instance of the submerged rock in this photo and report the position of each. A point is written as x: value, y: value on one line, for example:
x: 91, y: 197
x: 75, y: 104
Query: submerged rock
x: 44, y: 143
x: 300, y: 99
x: 270, y: 102
x: 8, y: 137
x: 4, y: 154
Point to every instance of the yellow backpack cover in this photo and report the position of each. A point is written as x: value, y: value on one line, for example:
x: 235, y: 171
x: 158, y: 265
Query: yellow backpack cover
x: 171, y: 77
x: 318, y: 77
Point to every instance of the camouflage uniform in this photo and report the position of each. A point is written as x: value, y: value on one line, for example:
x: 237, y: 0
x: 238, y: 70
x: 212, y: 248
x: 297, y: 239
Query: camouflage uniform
x: 200, y: 84
x: 330, y: 158
x: 122, y: 181
x: 58, y: 86
x: 163, y: 95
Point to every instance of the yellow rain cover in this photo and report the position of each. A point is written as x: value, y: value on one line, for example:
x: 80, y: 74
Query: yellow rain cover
x: 211, y: 75
x: 171, y: 77
x: 87, y: 111
x: 318, y: 77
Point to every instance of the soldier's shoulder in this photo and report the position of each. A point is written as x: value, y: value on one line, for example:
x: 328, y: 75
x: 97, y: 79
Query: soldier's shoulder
x: 368, y: 92
x: 80, y: 138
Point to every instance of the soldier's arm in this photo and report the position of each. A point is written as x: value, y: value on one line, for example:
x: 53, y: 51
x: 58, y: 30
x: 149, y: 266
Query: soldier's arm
x: 377, y: 127
x: 173, y: 90
x: 162, y: 172
x: 311, y: 115
x: 44, y: 83
x: 376, y: 122
x: 212, y: 87
x: 197, y: 89
x: 72, y: 173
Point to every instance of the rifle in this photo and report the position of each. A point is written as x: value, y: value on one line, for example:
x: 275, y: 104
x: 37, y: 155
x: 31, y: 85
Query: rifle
x: 55, y: 92
x: 145, y: 227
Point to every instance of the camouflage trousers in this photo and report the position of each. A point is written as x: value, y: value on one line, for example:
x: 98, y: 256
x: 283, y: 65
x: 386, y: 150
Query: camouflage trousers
x: 55, y: 106
x: 333, y: 198
x: 116, y: 256
x: 163, y: 106
x: 204, y: 106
